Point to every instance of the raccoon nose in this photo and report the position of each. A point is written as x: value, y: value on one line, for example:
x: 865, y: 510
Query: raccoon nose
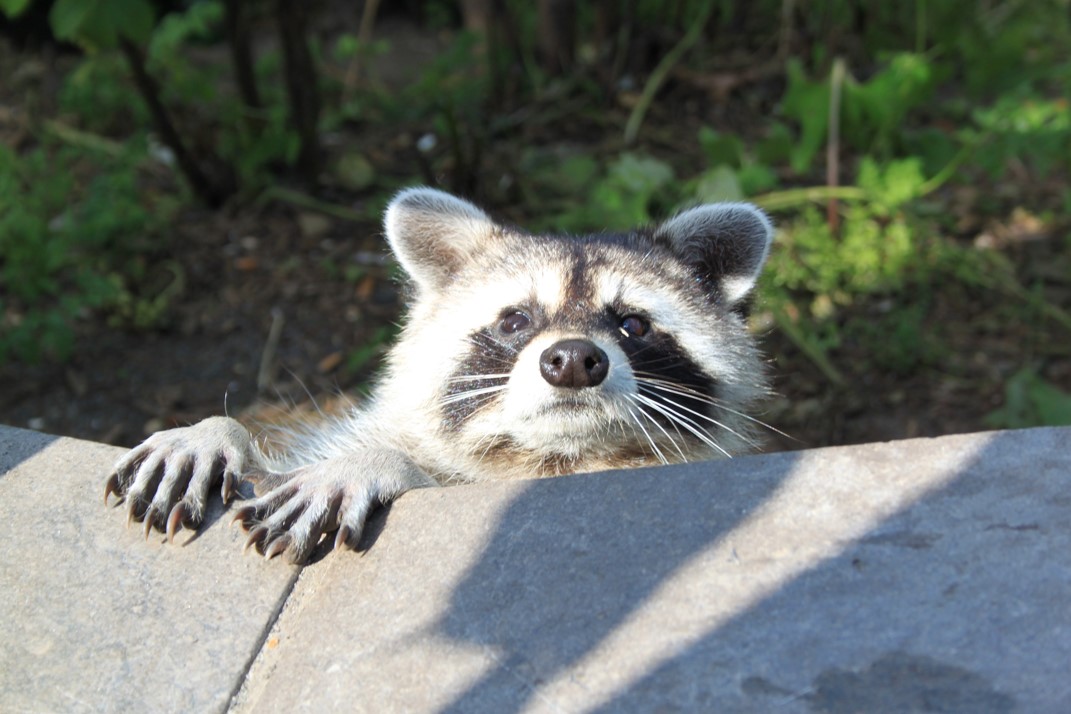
x: 574, y: 364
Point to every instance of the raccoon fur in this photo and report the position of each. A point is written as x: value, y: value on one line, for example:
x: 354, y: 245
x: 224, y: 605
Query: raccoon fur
x: 522, y: 356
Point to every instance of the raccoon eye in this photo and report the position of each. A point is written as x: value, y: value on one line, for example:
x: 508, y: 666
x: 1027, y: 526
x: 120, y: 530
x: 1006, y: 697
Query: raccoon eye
x: 514, y: 322
x: 634, y: 326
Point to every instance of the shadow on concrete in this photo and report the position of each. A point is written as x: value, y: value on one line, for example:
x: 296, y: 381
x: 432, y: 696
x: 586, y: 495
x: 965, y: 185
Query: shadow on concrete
x: 576, y: 556
x: 18, y: 445
x: 947, y: 605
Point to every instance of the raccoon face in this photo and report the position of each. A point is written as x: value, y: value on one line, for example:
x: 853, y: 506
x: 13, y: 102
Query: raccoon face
x: 541, y: 355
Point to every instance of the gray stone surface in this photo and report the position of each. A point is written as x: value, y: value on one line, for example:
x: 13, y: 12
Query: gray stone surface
x: 93, y: 618
x: 924, y: 575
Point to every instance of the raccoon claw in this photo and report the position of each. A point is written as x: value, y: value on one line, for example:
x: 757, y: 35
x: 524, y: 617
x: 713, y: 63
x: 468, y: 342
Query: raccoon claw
x: 167, y: 479
x: 149, y: 520
x: 132, y: 513
x: 244, y: 517
x: 256, y: 539
x: 175, y: 521
x: 229, y: 486
x: 277, y: 546
x: 342, y: 538
x: 111, y: 486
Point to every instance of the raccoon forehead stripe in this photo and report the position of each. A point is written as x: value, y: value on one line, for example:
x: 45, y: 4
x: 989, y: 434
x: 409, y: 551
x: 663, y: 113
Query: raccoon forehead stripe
x: 548, y: 288
x: 523, y: 285
x: 658, y: 301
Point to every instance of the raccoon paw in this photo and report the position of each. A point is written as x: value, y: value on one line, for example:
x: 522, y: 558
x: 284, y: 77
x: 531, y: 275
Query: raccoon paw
x: 297, y: 508
x: 165, y: 481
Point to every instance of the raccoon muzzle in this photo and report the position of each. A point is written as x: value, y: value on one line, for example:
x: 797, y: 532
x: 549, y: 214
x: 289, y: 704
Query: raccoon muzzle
x: 574, y: 364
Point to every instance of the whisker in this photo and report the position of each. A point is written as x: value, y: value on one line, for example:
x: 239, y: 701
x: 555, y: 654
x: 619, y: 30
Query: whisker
x: 654, y: 421
x: 471, y: 393
x: 686, y: 391
x: 485, y: 338
x: 684, y: 421
x: 709, y: 418
x: 478, y: 377
x: 637, y: 422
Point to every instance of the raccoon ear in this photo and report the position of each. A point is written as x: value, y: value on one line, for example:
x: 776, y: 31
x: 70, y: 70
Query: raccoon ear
x: 433, y: 233
x: 725, y: 242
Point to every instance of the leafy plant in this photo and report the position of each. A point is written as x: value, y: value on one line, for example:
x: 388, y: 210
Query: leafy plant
x: 1029, y: 400
x: 68, y: 250
x: 99, y: 94
x: 734, y: 173
x: 1027, y: 128
x: 633, y: 189
x: 872, y: 111
x: 102, y: 24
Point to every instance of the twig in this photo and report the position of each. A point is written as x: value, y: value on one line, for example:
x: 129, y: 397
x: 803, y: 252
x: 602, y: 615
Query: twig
x: 660, y: 72
x: 792, y: 197
x: 784, y: 39
x: 364, y: 36
x: 237, y: 27
x: 267, y: 357
x: 211, y: 192
x: 836, y: 82
x: 83, y: 139
x: 299, y: 73
x: 949, y: 169
x: 302, y: 200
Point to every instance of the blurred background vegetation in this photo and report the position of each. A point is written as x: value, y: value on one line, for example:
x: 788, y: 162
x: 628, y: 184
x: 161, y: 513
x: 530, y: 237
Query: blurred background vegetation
x: 190, y: 190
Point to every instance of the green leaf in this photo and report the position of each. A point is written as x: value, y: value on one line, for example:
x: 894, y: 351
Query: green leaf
x: 641, y: 175
x: 1053, y: 405
x: 1029, y: 400
x: 719, y: 184
x: 98, y: 24
x: 14, y: 8
x: 721, y: 148
x: 756, y: 178
x: 68, y: 17
x: 776, y: 148
x: 893, y: 184
x: 808, y: 103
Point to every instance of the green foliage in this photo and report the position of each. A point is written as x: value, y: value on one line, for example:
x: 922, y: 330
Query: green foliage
x: 99, y: 94
x: 184, y: 82
x: 449, y: 84
x: 1026, y: 128
x: 68, y: 249
x: 1029, y: 401
x: 870, y: 256
x: 632, y: 190
x: 900, y: 340
x: 937, y: 95
x: 1001, y: 48
x: 877, y: 262
x: 872, y: 111
x: 890, y: 186
x: 734, y: 174
x: 14, y: 8
x: 100, y: 24
x: 351, y: 105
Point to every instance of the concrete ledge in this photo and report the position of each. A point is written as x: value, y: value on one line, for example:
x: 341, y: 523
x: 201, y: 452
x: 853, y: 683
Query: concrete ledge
x: 93, y: 617
x: 923, y: 575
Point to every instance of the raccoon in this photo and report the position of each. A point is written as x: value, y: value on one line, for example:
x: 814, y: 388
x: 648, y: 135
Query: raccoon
x: 522, y: 356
